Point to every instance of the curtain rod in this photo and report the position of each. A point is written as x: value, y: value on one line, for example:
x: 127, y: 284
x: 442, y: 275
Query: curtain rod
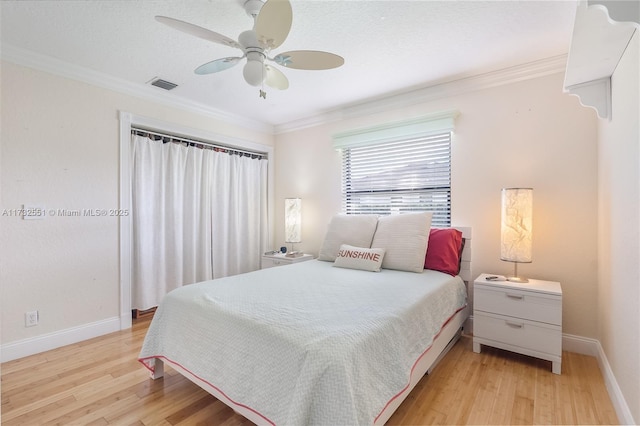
x: 204, y: 144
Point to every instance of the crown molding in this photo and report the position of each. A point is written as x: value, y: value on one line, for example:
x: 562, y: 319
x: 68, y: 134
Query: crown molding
x: 433, y: 91
x: 61, y: 68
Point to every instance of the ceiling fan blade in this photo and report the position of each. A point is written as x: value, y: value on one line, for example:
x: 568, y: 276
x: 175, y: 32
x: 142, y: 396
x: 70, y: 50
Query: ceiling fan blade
x: 309, y: 60
x: 197, y: 31
x: 275, y: 78
x: 217, y: 65
x: 273, y: 23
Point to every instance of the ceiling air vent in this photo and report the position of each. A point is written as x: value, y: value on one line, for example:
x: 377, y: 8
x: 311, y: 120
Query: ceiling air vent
x: 163, y: 84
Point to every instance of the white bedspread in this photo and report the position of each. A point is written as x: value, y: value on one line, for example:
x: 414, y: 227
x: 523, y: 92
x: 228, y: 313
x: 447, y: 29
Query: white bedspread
x: 305, y: 343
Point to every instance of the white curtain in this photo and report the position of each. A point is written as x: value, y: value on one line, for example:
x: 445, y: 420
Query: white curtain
x: 197, y: 214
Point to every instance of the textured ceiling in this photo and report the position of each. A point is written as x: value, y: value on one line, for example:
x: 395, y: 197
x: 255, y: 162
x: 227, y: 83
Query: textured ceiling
x: 389, y: 47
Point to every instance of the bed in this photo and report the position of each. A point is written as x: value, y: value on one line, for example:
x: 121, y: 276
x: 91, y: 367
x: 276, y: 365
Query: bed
x: 310, y: 343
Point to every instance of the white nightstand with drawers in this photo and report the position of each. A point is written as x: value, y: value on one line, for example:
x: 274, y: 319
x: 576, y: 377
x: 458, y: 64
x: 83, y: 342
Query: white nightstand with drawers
x: 279, y: 259
x: 519, y: 317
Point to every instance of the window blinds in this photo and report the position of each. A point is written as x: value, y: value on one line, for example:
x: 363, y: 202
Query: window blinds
x: 398, y: 171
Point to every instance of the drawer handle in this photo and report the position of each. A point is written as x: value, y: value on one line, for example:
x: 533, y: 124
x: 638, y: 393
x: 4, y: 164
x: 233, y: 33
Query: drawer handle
x: 513, y: 324
x: 515, y: 296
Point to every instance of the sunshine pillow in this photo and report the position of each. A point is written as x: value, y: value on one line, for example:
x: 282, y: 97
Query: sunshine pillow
x: 366, y: 259
x: 444, y: 251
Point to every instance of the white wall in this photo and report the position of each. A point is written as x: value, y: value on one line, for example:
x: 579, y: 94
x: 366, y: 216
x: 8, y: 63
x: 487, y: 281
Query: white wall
x: 522, y: 134
x: 60, y: 149
x: 619, y: 229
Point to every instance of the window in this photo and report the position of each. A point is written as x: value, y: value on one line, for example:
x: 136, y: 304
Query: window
x: 398, y: 170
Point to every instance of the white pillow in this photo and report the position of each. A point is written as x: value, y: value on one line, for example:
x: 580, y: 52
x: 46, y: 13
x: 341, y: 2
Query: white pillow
x: 354, y: 230
x: 404, y: 238
x: 366, y: 259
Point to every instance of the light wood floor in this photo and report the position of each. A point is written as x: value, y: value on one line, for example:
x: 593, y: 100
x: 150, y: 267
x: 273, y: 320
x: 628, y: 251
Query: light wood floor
x: 100, y: 382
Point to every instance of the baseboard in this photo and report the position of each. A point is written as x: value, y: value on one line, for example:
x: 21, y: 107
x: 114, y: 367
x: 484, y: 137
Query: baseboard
x: 45, y: 342
x: 580, y: 345
x: 592, y: 347
x: 615, y: 393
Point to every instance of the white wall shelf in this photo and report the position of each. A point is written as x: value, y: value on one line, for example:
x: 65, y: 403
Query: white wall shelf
x: 597, y: 44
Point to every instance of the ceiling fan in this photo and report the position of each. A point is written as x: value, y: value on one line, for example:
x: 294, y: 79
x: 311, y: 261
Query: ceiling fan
x: 272, y: 22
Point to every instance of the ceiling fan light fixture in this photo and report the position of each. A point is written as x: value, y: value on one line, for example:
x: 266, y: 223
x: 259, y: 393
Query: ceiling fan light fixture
x: 254, y: 72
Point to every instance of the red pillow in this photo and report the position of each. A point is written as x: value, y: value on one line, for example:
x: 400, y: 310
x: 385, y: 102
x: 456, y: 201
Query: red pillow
x: 444, y: 250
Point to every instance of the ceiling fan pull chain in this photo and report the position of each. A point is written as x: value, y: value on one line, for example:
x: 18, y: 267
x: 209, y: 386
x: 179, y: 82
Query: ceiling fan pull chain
x: 263, y: 94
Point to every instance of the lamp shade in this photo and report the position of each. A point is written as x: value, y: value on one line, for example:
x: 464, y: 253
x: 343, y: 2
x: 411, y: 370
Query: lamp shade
x: 293, y: 220
x: 517, y: 225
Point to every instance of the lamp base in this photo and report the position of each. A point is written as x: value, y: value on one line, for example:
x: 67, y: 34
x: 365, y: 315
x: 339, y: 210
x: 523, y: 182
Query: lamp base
x: 515, y: 278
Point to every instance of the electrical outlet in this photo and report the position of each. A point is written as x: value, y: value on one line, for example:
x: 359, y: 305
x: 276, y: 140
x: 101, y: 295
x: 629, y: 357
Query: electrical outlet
x: 31, y: 318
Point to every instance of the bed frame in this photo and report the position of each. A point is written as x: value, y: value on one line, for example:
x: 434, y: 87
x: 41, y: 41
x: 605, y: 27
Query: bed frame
x: 442, y: 343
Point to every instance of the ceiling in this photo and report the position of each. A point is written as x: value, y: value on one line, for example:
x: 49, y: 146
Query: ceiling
x: 389, y: 47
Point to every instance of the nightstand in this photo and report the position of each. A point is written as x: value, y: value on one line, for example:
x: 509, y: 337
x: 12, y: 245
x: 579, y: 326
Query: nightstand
x: 519, y: 317
x: 279, y: 259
